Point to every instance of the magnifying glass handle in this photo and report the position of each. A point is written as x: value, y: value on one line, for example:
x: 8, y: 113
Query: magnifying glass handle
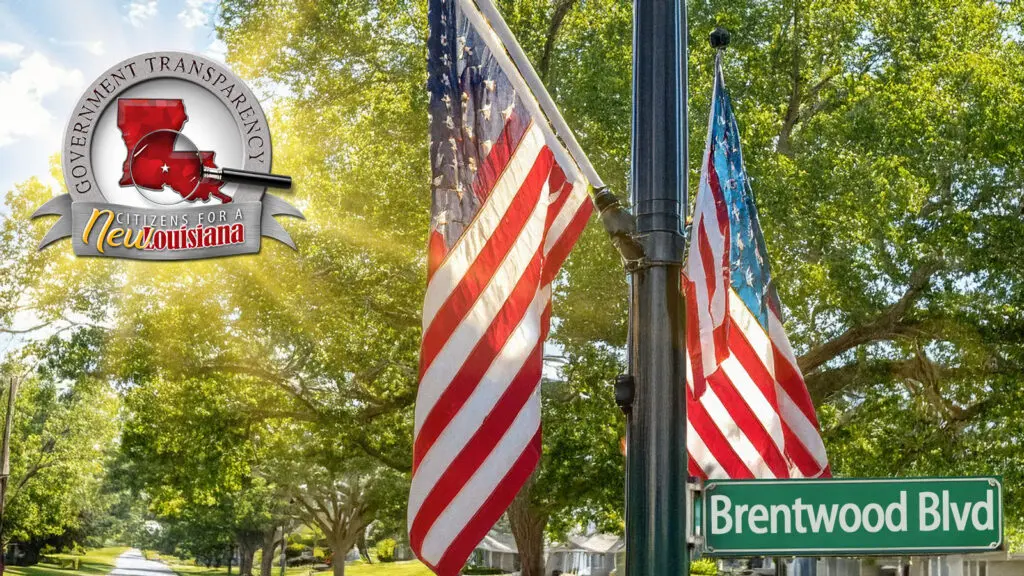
x: 248, y: 177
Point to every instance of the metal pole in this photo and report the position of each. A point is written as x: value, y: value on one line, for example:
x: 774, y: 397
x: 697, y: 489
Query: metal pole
x: 5, y: 467
x: 284, y: 551
x: 656, y: 458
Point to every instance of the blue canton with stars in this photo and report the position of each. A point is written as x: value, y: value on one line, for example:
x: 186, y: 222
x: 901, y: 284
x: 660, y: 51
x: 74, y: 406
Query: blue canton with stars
x: 748, y: 258
x: 472, y: 102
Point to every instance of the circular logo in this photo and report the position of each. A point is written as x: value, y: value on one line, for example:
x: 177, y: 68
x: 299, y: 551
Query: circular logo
x: 160, y: 130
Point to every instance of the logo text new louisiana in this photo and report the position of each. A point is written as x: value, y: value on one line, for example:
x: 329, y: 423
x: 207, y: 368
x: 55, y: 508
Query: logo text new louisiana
x: 168, y: 232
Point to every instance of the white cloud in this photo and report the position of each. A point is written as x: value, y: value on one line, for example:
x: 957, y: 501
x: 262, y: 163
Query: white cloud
x: 217, y: 50
x: 196, y: 13
x: 140, y: 11
x: 94, y: 47
x: 10, y: 49
x: 22, y: 113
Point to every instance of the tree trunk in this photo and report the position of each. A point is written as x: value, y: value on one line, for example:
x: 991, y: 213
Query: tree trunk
x: 340, y: 545
x: 528, y: 523
x: 246, y: 551
x: 364, y: 550
x: 267, y: 557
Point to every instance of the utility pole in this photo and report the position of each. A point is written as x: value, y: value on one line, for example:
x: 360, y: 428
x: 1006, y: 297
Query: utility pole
x: 5, y: 467
x: 656, y: 471
x: 284, y: 550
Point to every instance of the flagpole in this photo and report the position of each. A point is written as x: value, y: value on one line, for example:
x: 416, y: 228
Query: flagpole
x: 656, y: 470
x: 547, y: 104
x: 617, y: 221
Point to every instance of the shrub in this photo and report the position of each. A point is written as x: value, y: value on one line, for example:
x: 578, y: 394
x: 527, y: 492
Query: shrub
x: 294, y: 550
x: 704, y: 567
x: 386, y: 550
x: 482, y: 570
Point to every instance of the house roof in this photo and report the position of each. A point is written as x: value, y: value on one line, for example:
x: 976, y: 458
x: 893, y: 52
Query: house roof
x: 496, y: 541
x: 597, y: 544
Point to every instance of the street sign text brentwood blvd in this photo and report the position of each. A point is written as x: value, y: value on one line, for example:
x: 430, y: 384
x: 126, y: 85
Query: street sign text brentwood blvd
x: 852, y: 516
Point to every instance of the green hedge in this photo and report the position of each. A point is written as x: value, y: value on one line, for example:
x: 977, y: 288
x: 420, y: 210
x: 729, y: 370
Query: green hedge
x: 386, y: 550
x: 703, y: 567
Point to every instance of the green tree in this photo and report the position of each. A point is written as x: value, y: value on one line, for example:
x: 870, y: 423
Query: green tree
x: 192, y: 449
x: 879, y: 139
x: 63, y: 435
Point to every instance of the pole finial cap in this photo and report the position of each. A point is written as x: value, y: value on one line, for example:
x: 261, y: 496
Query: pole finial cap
x: 719, y: 38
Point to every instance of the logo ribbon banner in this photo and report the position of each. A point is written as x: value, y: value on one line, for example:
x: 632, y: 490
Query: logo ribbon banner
x: 119, y: 231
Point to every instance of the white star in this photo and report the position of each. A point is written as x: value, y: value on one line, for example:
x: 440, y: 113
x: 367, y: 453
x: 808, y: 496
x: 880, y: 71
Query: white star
x: 486, y: 112
x: 749, y: 277
x: 739, y: 242
x: 165, y: 168
x: 507, y: 112
x: 760, y: 259
x: 490, y: 85
x: 487, y: 146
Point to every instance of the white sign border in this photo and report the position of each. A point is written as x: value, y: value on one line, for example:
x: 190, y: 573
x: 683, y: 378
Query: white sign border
x: 726, y: 552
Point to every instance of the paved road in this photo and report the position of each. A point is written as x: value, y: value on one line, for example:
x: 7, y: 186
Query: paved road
x: 133, y: 563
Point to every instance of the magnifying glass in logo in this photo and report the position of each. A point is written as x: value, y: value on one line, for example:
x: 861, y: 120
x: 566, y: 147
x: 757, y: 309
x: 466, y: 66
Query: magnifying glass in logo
x: 169, y: 158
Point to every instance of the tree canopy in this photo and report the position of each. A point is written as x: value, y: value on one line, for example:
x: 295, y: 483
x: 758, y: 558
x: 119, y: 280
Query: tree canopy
x: 883, y: 143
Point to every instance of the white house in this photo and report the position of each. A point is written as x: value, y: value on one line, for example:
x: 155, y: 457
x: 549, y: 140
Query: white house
x: 585, y: 555
x: 496, y: 550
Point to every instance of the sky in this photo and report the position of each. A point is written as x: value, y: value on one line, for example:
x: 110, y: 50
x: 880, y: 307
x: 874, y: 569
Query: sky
x: 50, y: 50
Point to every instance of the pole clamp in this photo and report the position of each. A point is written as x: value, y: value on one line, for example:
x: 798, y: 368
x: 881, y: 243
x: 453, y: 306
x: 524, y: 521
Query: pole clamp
x: 625, y: 392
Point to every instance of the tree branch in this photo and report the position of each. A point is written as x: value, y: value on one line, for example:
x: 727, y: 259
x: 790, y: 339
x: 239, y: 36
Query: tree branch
x: 562, y: 8
x: 887, y: 325
x: 782, y: 144
x: 398, y: 465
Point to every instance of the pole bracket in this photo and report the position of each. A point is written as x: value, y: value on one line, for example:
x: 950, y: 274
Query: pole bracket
x: 619, y: 224
x: 625, y: 391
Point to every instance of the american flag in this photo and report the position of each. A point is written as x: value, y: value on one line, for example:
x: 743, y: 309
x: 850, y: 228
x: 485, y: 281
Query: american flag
x: 508, y: 205
x: 748, y: 411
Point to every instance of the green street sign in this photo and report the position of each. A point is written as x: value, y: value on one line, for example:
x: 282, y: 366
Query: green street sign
x: 855, y: 516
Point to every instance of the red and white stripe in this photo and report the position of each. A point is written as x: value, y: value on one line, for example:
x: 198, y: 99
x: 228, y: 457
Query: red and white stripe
x: 754, y: 417
x: 749, y: 414
x: 485, y: 316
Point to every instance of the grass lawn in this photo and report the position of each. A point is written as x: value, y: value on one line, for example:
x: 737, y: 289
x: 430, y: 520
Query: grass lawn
x: 94, y: 563
x: 412, y: 568
x: 183, y: 567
